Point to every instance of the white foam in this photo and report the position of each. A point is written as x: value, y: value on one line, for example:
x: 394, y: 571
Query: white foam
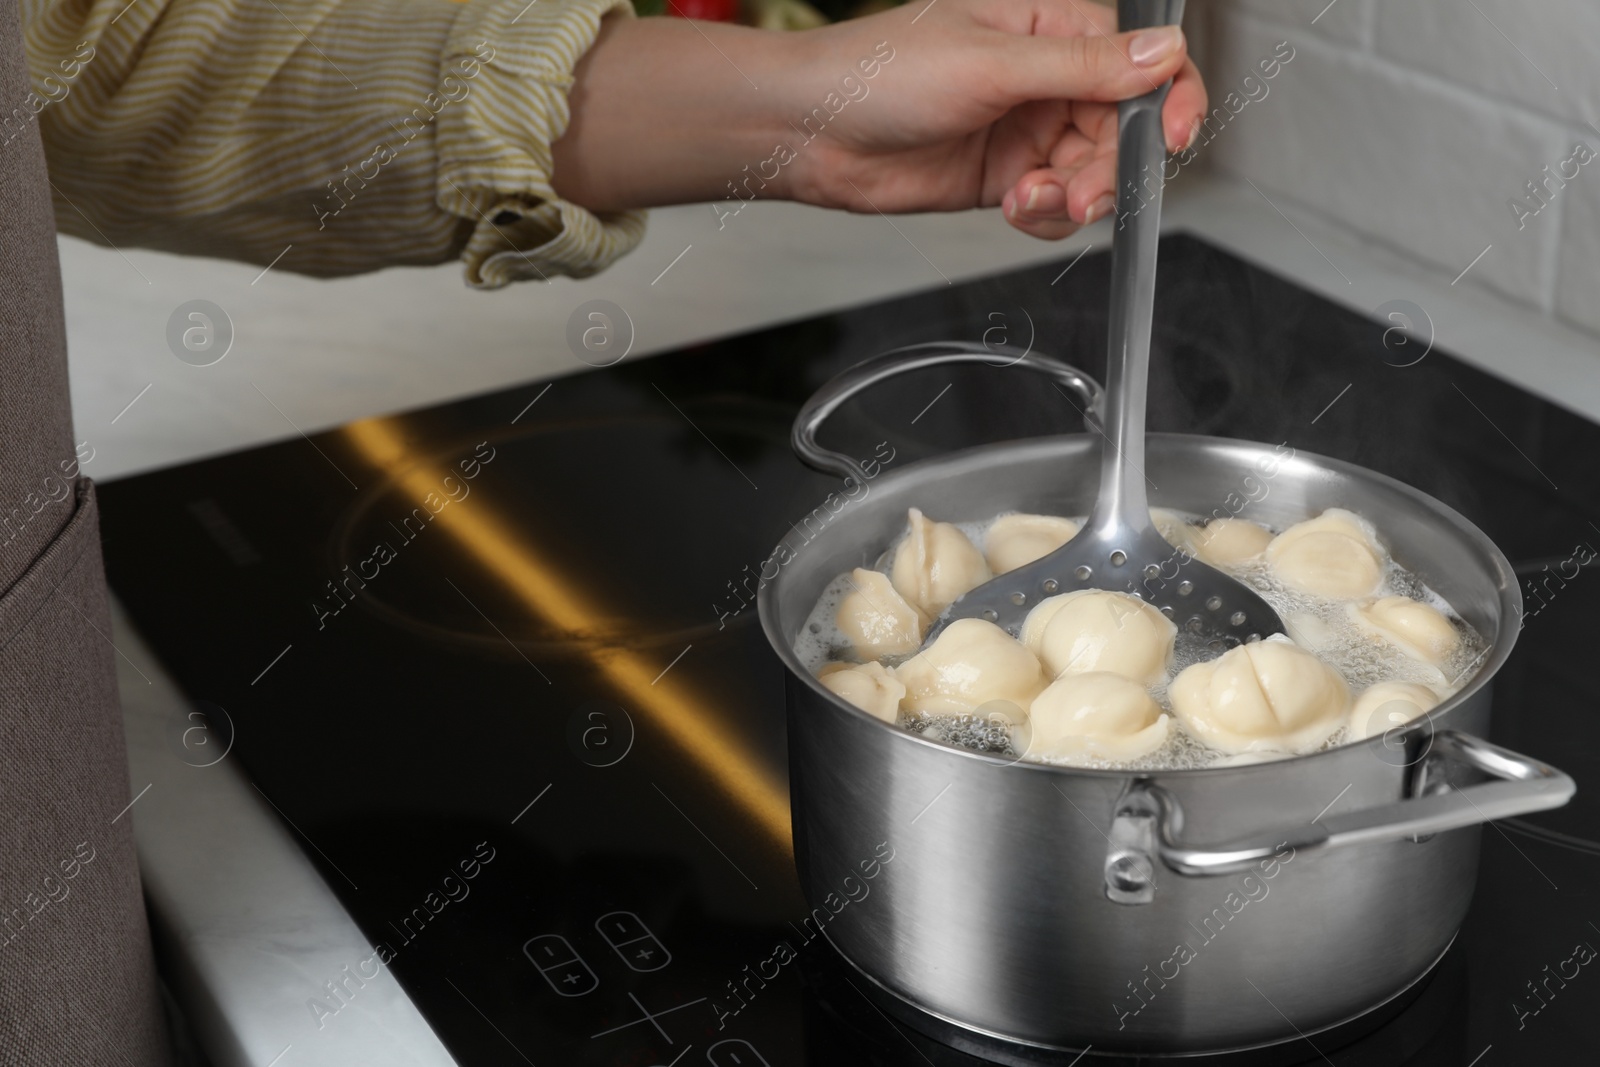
x: 1323, y: 625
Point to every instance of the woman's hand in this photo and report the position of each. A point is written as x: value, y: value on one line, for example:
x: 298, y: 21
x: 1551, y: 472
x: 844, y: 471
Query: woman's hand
x: 927, y: 107
x: 986, y: 102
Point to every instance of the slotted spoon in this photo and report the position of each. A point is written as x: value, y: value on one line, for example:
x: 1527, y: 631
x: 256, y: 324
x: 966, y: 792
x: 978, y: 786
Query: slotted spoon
x: 1119, y: 547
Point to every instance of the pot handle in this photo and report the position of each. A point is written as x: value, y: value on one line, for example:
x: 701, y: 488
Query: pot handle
x: 869, y: 372
x: 1518, y: 785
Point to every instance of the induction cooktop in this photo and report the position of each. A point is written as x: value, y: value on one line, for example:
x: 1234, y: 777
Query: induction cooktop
x: 497, y: 660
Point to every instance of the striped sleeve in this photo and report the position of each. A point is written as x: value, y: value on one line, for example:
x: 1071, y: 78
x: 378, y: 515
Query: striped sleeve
x: 329, y: 137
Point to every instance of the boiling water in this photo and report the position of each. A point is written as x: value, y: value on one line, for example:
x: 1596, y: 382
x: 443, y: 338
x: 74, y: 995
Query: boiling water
x: 1322, y: 626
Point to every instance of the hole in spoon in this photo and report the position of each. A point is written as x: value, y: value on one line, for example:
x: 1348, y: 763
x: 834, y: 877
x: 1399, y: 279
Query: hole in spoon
x: 1082, y: 572
x: 1237, y: 618
x: 1118, y: 558
x: 1185, y: 587
x: 1050, y: 585
x: 1019, y: 598
x: 1152, y: 570
x: 1213, y: 603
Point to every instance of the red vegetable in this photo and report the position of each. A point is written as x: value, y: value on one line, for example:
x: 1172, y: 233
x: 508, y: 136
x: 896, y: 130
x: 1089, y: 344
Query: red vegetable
x: 709, y: 10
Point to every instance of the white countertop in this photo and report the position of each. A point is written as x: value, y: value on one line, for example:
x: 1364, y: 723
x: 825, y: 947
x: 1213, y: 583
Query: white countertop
x: 312, y: 354
x: 326, y: 352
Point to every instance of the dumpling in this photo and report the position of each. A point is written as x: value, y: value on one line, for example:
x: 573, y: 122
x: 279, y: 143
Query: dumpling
x: 971, y: 663
x: 1017, y: 539
x: 1332, y: 555
x: 1220, y: 542
x: 877, y: 619
x: 1270, y: 694
x: 935, y: 564
x: 1382, y: 707
x: 1174, y: 529
x: 1229, y: 542
x: 1100, y: 630
x: 1422, y: 632
x: 1079, y: 717
x: 869, y: 686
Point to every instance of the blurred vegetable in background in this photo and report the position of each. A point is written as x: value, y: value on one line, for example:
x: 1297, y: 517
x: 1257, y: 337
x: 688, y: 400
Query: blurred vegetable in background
x: 708, y: 10
x: 783, y: 14
x: 767, y: 14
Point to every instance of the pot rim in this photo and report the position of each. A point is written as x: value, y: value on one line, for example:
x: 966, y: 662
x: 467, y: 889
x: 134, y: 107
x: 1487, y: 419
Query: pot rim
x: 1510, y: 595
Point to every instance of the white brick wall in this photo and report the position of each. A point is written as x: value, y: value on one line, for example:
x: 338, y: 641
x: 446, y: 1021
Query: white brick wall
x: 1540, y: 55
x: 1414, y: 123
x: 1578, y: 277
x: 1344, y: 20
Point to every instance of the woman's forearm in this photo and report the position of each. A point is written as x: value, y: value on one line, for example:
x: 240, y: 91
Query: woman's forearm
x: 973, y: 103
x: 666, y: 111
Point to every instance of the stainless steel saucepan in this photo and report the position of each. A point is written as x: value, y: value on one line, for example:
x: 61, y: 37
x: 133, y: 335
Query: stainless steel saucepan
x: 1035, y: 910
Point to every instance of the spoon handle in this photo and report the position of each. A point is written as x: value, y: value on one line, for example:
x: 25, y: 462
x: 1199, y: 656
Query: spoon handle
x: 1141, y: 152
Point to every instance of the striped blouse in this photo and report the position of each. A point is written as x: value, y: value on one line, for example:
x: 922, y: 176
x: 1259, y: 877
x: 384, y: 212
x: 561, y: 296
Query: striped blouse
x: 341, y: 135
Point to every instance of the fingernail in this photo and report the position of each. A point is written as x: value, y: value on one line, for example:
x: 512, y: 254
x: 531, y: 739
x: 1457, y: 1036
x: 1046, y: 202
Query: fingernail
x: 1046, y: 198
x: 1152, y: 46
x: 1100, y: 208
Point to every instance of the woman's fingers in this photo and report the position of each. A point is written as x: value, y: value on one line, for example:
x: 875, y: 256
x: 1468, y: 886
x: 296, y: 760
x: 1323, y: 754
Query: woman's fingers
x: 1098, y: 121
x: 1052, y: 202
x: 1185, y: 108
x: 1037, y: 205
x: 1091, y: 192
x: 1031, y: 139
x: 1091, y: 67
x: 1077, y: 186
x: 1050, y: 18
x: 1095, y: 113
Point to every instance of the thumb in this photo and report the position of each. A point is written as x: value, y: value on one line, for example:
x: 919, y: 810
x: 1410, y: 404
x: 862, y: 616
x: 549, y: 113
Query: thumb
x: 1093, y: 67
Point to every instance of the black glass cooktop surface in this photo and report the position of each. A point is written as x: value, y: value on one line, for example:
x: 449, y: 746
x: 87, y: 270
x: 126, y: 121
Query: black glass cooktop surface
x: 497, y: 659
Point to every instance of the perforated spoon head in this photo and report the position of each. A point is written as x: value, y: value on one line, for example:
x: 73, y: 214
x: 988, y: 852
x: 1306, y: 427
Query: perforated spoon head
x: 1198, y: 598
